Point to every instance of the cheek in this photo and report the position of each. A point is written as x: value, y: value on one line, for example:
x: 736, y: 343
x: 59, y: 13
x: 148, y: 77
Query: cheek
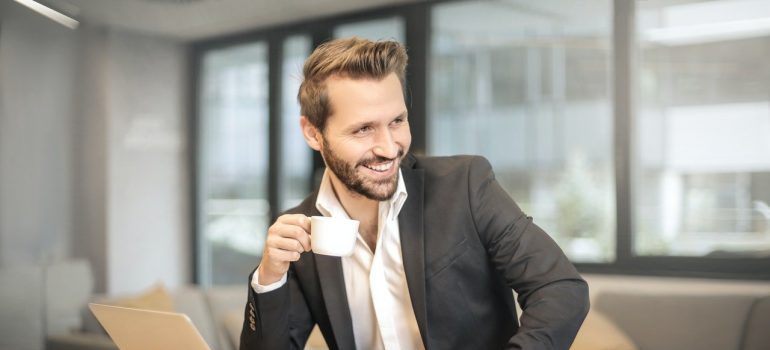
x: 403, y: 136
x: 352, y: 151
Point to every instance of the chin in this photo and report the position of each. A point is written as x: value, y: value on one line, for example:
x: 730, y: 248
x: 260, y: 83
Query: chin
x: 380, y: 193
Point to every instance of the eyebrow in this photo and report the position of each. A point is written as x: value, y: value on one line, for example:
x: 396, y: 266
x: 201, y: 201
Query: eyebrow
x: 403, y: 114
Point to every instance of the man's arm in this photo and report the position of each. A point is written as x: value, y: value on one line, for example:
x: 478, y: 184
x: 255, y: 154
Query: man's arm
x: 279, y: 319
x: 552, y: 295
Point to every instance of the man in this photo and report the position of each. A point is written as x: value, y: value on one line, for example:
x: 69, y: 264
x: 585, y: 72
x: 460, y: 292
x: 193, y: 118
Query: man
x: 440, y: 243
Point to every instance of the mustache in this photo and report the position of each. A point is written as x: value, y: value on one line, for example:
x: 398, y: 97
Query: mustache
x: 380, y: 159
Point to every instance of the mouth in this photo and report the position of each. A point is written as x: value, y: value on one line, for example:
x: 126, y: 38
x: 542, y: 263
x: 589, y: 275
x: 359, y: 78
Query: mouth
x: 381, y: 167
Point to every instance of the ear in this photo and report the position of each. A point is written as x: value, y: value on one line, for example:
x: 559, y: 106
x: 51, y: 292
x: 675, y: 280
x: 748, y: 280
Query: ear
x: 312, y: 135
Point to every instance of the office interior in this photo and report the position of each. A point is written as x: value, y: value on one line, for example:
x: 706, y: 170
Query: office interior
x: 146, y: 145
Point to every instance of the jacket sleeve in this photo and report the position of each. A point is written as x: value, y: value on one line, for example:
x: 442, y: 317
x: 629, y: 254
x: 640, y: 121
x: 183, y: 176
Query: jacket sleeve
x: 279, y: 319
x: 552, y: 295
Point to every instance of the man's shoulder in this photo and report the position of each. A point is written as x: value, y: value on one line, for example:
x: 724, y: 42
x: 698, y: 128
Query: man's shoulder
x: 445, y: 165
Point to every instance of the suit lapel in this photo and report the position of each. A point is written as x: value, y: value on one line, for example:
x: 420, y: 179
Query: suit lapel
x: 331, y: 278
x: 410, y: 222
x: 335, y: 298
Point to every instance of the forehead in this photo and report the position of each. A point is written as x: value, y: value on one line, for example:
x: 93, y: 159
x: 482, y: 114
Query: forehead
x: 356, y: 100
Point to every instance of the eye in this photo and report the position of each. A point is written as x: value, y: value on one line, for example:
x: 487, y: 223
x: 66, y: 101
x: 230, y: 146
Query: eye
x: 363, y: 130
x: 398, y: 121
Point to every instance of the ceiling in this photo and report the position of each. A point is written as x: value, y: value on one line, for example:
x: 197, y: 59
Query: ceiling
x: 198, y: 19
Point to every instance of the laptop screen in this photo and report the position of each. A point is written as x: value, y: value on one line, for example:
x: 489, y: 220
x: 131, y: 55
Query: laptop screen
x: 136, y: 329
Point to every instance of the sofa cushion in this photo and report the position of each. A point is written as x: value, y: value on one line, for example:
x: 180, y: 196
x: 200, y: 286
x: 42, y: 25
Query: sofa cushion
x: 70, y: 284
x: 757, y: 336
x: 233, y: 322
x: 227, y: 303
x: 156, y: 298
x: 599, y: 333
x: 678, y: 321
x: 191, y: 301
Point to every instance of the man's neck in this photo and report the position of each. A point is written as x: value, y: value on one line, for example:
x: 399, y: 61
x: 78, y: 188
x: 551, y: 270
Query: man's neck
x: 360, y: 208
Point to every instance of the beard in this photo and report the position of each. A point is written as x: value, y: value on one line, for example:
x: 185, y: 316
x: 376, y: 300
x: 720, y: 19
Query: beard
x: 378, y: 190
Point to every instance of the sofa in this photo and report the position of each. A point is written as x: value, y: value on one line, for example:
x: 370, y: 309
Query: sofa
x: 670, y: 321
x: 46, y: 308
x: 217, y: 313
x: 675, y: 313
x: 627, y: 314
x: 41, y: 299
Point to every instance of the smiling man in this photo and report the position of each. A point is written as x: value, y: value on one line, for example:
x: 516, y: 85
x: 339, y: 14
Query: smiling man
x: 439, y: 247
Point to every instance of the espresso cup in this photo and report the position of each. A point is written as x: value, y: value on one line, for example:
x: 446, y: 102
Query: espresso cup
x: 332, y: 236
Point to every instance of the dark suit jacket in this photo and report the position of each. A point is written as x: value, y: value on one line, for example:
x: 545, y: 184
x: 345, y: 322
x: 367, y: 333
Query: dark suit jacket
x: 465, y: 244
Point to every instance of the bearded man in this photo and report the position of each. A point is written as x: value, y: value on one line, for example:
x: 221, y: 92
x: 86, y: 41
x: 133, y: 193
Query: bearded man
x: 440, y: 243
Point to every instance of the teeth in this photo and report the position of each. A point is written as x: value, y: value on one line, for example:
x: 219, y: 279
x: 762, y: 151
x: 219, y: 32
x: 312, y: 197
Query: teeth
x: 380, y: 167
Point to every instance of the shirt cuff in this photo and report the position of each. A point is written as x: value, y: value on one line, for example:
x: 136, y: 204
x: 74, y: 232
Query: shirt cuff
x: 259, y: 289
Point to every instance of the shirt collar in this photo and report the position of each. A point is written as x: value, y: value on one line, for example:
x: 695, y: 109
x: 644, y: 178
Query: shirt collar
x: 328, y: 204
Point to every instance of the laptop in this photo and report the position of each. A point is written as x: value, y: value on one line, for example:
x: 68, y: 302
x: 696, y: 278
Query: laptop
x: 137, y: 329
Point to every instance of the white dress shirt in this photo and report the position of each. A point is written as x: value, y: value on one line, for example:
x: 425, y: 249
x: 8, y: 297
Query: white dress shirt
x: 375, y: 283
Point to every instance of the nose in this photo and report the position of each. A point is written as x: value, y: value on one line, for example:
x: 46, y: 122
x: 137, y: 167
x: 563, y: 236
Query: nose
x: 386, y: 145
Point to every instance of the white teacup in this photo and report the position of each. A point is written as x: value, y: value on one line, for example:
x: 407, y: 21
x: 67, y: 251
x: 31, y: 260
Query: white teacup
x: 333, y: 236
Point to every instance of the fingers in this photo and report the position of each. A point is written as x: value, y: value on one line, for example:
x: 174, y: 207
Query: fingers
x: 294, y: 227
x: 286, y: 240
x: 285, y: 243
x: 296, y: 220
x: 281, y: 255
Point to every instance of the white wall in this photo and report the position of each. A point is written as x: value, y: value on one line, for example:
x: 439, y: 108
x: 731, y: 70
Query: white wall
x: 36, y: 170
x: 147, y: 191
x: 92, y: 157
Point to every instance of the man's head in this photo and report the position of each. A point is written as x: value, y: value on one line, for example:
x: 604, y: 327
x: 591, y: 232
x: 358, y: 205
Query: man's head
x: 352, y: 58
x: 353, y: 112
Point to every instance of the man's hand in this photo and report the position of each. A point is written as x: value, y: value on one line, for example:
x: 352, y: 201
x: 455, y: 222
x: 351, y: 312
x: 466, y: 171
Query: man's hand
x: 286, y: 239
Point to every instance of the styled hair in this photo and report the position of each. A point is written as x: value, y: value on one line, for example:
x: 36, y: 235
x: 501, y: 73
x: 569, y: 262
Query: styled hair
x: 353, y: 58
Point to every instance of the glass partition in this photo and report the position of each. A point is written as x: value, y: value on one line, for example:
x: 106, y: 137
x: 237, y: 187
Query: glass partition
x: 233, y: 162
x: 297, y: 157
x: 526, y: 84
x: 703, y: 129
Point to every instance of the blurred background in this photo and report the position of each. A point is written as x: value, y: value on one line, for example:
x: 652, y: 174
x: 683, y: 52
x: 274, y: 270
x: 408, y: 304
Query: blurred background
x: 158, y: 139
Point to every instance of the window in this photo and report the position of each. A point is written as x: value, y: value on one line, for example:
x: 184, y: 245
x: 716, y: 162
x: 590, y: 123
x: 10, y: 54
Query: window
x: 703, y: 129
x: 233, y: 156
x: 635, y: 132
x: 527, y: 85
x: 297, y: 158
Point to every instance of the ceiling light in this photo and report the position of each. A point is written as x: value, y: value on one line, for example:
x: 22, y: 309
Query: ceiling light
x: 709, y: 32
x: 54, y: 15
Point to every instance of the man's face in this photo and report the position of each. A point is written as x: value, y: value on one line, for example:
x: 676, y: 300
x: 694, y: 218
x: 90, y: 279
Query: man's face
x: 366, y: 135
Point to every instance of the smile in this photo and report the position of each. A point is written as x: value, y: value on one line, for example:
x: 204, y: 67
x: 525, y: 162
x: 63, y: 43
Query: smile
x: 382, y: 167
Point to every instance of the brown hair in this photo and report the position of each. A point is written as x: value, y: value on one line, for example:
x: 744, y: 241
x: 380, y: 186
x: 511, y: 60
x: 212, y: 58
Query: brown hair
x: 354, y: 58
